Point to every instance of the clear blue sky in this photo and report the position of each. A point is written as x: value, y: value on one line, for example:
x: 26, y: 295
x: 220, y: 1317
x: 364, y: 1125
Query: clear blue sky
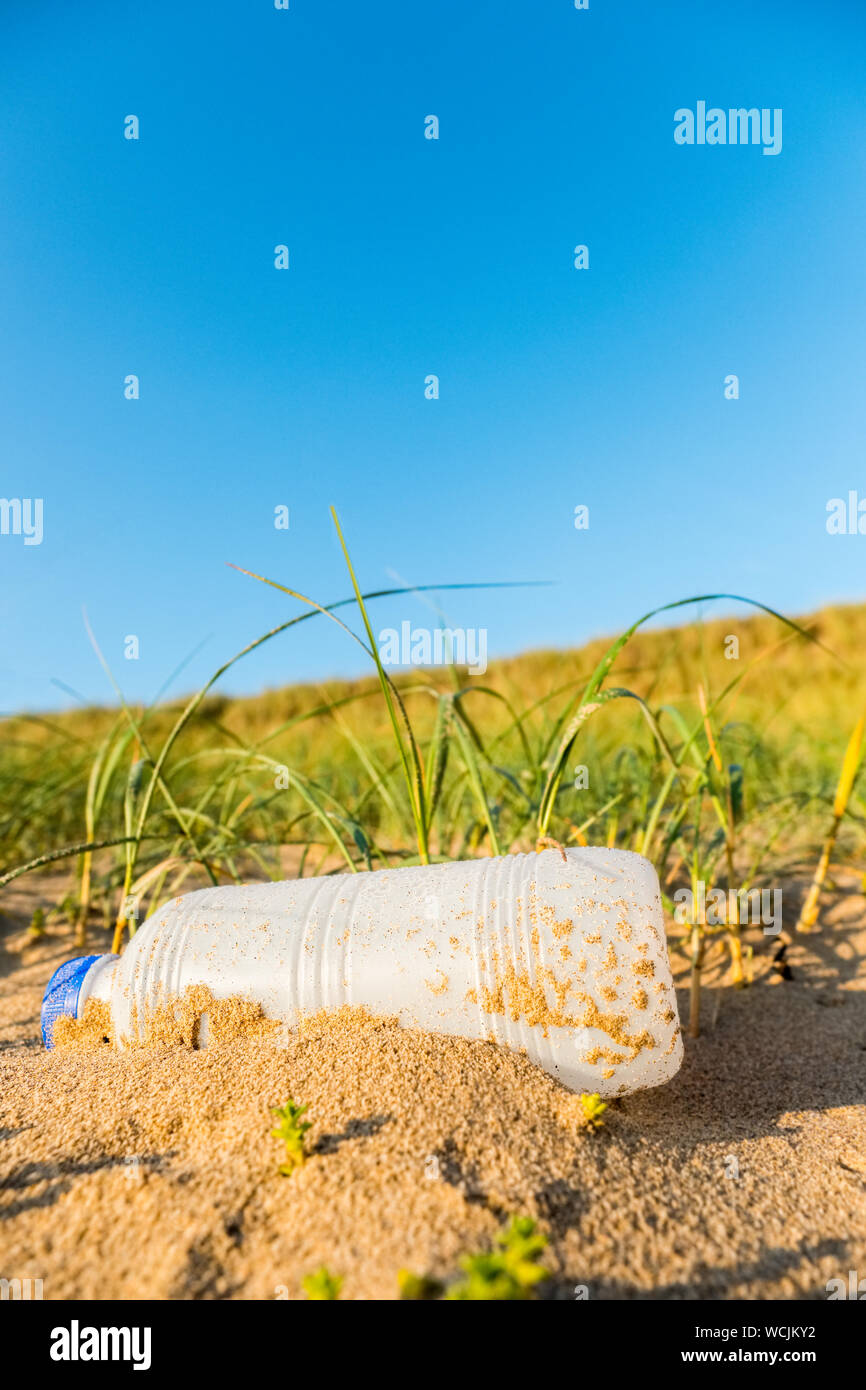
x: 410, y: 257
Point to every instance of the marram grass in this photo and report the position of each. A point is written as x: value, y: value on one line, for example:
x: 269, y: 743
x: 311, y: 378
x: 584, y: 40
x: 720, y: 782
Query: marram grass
x: 720, y: 770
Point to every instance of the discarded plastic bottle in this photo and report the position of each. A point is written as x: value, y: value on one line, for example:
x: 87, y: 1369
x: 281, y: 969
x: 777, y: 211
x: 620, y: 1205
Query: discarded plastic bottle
x: 563, y: 958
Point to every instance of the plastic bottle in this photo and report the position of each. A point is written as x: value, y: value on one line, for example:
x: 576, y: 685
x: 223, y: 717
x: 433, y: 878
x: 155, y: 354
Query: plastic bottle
x: 563, y: 957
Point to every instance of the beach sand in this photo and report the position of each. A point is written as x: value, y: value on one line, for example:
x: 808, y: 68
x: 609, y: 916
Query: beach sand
x: 153, y: 1174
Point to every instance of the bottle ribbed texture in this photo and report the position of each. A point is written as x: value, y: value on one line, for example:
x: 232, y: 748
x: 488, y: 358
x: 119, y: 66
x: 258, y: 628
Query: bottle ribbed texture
x: 475, y: 949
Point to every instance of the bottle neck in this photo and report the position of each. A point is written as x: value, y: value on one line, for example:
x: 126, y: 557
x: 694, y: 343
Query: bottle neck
x: 98, y: 981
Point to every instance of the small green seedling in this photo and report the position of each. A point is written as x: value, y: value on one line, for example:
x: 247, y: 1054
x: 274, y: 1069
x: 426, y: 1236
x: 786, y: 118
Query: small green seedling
x: 291, y: 1131
x: 508, y: 1272
x: 322, y: 1287
x: 37, y: 924
x: 68, y: 909
x: 418, y: 1287
x: 593, y: 1109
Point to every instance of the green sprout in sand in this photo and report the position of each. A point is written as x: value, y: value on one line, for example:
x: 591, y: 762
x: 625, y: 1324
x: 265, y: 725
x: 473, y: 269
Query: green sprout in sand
x: 593, y: 1109
x: 323, y: 1286
x: 37, y: 924
x: 418, y: 1287
x: 509, y: 1272
x: 291, y: 1131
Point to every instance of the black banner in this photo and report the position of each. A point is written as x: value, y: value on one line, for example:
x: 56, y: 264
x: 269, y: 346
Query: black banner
x: 639, y: 1338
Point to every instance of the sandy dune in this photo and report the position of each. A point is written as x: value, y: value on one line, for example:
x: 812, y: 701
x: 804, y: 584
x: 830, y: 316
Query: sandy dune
x: 154, y: 1174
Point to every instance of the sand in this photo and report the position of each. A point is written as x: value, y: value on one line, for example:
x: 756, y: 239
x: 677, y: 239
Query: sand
x: 152, y: 1173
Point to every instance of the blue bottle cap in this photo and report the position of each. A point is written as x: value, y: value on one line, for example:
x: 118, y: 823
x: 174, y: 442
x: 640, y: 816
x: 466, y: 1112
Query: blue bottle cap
x: 60, y: 999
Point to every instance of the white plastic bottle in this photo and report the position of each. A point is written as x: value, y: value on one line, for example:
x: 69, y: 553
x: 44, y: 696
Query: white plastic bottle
x: 564, y: 958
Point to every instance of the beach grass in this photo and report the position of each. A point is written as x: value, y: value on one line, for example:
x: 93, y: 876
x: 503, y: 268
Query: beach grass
x: 713, y: 747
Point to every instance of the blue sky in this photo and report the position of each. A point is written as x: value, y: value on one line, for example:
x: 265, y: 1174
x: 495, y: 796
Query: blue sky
x: 408, y: 257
